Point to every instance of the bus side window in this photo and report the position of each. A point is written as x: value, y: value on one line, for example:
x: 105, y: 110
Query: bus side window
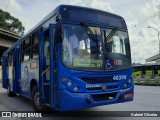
x: 26, y: 49
x: 35, y: 53
x: 35, y: 46
x: 35, y: 38
x: 26, y: 55
x: 26, y: 43
x: 46, y: 50
x: 10, y: 58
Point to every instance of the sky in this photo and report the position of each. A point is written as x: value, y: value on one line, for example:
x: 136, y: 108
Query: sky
x: 138, y: 14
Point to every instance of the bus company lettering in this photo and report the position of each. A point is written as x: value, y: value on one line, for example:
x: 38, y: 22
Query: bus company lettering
x: 92, y: 86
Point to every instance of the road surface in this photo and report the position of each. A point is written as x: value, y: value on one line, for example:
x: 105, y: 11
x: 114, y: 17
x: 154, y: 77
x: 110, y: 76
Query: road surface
x: 147, y: 98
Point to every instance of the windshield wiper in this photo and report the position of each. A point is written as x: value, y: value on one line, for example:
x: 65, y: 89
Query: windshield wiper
x: 110, y: 35
x: 87, y: 29
x: 90, y: 34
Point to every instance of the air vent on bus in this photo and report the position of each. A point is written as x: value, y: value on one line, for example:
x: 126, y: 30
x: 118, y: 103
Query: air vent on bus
x: 90, y: 80
x: 95, y: 88
x: 100, y: 88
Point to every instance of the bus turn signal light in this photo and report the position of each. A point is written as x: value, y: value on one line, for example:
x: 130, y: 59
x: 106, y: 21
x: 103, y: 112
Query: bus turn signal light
x: 128, y: 95
x: 64, y: 79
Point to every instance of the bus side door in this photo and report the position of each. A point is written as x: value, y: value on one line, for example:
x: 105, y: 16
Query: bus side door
x: 11, y: 69
x: 46, y: 67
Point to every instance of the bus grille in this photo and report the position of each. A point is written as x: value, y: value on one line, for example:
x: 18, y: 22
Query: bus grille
x: 98, y: 80
x: 104, y: 97
x: 100, y: 88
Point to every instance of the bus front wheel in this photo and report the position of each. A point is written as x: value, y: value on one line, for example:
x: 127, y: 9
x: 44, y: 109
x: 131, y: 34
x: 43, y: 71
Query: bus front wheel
x: 35, y: 101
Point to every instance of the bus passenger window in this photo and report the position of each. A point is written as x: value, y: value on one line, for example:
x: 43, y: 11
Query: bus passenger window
x: 26, y: 43
x: 35, y: 53
x: 46, y: 48
x: 35, y: 39
x: 26, y: 55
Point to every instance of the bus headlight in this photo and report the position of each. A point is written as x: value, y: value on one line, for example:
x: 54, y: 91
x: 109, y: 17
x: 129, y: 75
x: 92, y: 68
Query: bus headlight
x: 128, y: 83
x: 75, y: 89
x: 69, y: 84
x: 125, y: 85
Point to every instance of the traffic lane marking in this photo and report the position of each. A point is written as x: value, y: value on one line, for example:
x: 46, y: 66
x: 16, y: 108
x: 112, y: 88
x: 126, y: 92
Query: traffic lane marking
x: 148, y: 92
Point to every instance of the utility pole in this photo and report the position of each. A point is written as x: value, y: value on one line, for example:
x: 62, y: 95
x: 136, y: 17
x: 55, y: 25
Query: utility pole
x: 158, y: 36
x: 134, y: 58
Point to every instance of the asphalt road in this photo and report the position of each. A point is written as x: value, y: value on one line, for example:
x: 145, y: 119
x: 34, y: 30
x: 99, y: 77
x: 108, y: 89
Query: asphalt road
x: 147, y: 98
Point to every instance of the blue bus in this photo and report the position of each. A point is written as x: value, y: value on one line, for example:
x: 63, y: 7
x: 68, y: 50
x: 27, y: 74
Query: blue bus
x: 75, y: 58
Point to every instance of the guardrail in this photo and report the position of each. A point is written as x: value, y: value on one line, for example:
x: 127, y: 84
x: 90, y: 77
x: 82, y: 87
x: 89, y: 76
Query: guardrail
x: 151, y: 80
x: 151, y: 77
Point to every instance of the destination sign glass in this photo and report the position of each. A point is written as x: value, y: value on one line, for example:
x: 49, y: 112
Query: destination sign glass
x: 91, y: 15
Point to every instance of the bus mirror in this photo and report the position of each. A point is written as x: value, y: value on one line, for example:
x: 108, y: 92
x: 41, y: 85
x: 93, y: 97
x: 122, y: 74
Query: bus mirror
x: 62, y: 34
x: 58, y: 18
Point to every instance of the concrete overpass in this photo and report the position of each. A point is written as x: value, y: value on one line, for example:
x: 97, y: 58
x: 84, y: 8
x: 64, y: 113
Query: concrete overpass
x: 155, y: 58
x: 7, y: 39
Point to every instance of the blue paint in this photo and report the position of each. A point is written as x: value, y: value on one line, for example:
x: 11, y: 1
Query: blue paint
x: 57, y: 92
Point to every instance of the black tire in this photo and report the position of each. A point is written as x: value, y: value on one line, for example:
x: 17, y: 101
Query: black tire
x: 35, y: 101
x: 9, y: 92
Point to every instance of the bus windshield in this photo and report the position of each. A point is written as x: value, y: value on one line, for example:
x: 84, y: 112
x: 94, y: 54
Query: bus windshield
x: 83, y: 52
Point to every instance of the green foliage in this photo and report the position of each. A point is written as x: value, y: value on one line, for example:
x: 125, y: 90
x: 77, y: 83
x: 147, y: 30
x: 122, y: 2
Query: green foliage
x: 157, y: 79
x: 148, y: 83
x: 147, y: 78
x: 10, y: 23
x: 138, y: 78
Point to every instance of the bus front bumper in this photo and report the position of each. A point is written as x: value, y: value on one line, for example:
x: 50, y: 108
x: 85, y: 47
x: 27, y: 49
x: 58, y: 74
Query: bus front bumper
x: 77, y: 101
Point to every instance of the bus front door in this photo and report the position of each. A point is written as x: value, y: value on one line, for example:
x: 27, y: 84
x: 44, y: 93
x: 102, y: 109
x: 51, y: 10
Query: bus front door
x: 13, y: 73
x: 11, y: 70
x: 46, y: 63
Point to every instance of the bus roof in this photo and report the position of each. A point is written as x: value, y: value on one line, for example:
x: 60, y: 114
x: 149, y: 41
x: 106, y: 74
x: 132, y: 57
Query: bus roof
x: 59, y: 11
x: 60, y: 8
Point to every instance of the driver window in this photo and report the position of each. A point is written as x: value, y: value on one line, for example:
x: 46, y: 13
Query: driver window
x: 117, y: 44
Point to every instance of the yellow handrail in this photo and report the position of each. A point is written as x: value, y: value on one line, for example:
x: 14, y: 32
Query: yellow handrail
x: 46, y: 70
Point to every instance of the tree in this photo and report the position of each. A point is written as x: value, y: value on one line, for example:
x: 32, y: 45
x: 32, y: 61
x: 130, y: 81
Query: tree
x: 10, y: 23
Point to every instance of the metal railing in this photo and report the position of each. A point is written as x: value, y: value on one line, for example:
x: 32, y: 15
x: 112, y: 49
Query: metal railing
x: 147, y: 78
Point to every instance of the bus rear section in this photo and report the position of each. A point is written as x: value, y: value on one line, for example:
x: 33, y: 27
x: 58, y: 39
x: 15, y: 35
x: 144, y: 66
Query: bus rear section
x: 83, y: 61
x: 146, y: 72
x: 137, y: 73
